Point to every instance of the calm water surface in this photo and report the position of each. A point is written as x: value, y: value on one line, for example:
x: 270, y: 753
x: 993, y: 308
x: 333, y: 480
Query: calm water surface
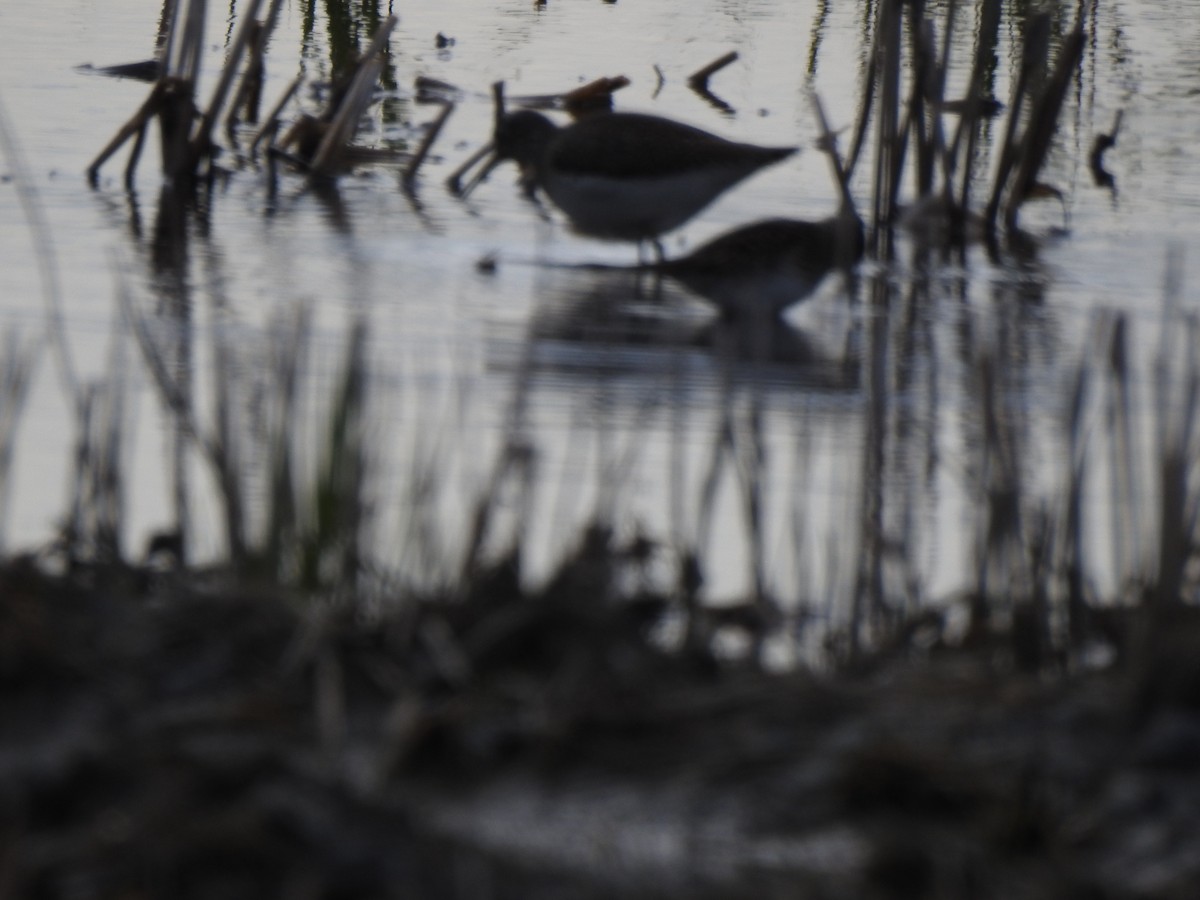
x: 629, y: 422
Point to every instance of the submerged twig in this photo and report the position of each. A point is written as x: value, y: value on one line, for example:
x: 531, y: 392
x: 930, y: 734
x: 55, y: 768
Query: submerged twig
x: 453, y: 183
x: 1042, y: 125
x: 249, y: 92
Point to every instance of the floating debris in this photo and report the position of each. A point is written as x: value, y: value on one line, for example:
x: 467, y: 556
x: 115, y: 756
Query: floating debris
x: 148, y: 70
x: 1103, y: 142
x: 698, y: 81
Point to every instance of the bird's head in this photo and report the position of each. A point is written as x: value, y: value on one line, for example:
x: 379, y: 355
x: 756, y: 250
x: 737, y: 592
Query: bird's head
x: 523, y: 137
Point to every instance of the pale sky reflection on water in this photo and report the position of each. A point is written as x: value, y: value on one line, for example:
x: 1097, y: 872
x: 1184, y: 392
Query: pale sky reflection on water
x: 438, y: 324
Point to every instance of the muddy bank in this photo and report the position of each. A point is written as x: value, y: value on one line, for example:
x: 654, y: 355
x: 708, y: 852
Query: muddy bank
x: 232, y: 743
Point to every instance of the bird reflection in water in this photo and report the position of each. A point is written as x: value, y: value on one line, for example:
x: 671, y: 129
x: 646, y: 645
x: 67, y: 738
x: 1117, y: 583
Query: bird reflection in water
x: 607, y: 319
x: 754, y: 273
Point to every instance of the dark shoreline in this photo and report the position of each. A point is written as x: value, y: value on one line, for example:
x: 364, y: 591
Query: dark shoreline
x: 228, y: 745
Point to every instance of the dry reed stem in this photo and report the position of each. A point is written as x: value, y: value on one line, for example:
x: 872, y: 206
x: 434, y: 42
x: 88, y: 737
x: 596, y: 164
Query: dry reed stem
x: 497, y: 103
x: 435, y: 128
x: 185, y: 42
x: 888, y: 136
x: 331, y: 152
x: 968, y: 124
x: 271, y: 125
x: 201, y: 144
x: 249, y: 92
x: 828, y: 144
x: 1043, y: 124
x: 454, y: 182
x: 136, y: 124
x: 1033, y: 60
x: 345, y: 122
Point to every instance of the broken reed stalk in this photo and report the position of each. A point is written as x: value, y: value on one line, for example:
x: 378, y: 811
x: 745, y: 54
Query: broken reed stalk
x: 867, y: 102
x: 1033, y: 62
x: 410, y: 171
x: 167, y: 33
x: 454, y: 182
x: 330, y: 154
x: 698, y: 80
x: 888, y: 137
x: 135, y: 155
x: 497, y: 103
x: 938, y: 97
x: 271, y: 126
x: 135, y: 126
x: 919, y: 124
x: 849, y: 221
x: 249, y: 92
x: 1043, y: 122
x: 185, y: 41
x: 201, y: 145
x: 248, y: 96
x: 962, y: 157
x: 185, y: 144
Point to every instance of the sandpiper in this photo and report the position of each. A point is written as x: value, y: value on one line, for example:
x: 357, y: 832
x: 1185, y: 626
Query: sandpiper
x: 759, y: 270
x: 626, y: 176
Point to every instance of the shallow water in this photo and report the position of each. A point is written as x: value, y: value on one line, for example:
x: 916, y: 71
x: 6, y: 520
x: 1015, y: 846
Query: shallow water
x: 628, y: 423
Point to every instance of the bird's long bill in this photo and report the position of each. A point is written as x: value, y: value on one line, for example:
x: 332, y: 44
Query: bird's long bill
x: 484, y: 171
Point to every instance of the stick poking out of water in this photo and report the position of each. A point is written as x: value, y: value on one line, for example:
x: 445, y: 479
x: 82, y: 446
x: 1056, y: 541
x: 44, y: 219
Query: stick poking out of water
x: 698, y: 80
x: 435, y: 128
